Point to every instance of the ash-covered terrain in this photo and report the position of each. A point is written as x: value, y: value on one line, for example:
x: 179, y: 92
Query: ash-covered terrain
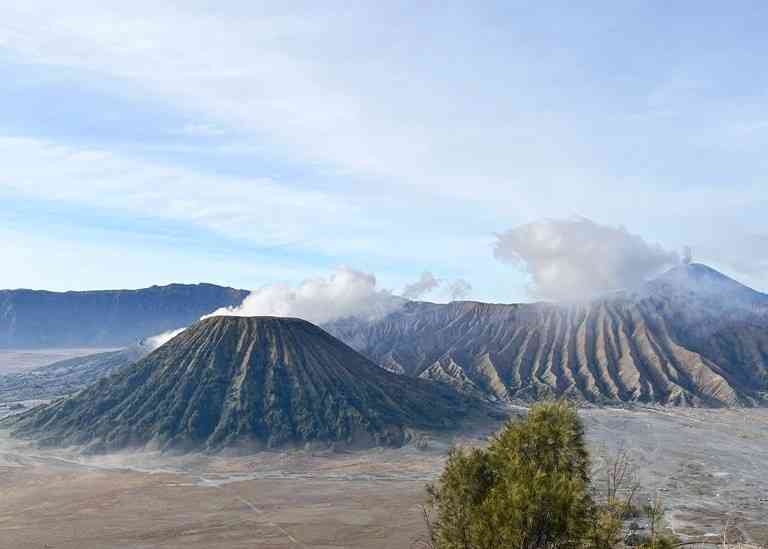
x: 332, y: 450
x: 710, y: 466
x: 259, y: 382
x: 67, y: 376
x: 690, y: 337
x: 19, y: 360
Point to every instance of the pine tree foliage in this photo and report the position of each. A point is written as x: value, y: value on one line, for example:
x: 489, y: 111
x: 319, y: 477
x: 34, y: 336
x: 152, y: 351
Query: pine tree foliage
x: 529, y: 489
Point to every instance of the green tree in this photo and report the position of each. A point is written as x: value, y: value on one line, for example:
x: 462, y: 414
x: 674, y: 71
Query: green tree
x: 459, y: 500
x: 528, y: 490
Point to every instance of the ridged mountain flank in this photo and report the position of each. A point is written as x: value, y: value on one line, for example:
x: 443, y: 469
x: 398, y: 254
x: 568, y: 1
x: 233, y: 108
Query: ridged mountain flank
x: 258, y: 382
x: 690, y: 337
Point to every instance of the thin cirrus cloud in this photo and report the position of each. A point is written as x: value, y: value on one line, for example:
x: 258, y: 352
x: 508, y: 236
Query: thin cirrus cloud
x: 415, y: 139
x: 318, y: 88
x: 259, y: 211
x: 318, y: 84
x: 258, y: 208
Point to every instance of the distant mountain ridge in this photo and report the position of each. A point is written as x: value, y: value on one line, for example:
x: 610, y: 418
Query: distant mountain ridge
x: 690, y: 337
x: 260, y: 382
x: 34, y: 319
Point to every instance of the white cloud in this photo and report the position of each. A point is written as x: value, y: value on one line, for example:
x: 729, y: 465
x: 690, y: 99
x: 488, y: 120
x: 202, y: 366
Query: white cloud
x: 316, y: 86
x: 459, y: 289
x: 439, y: 123
x: 577, y: 258
x: 425, y: 284
x: 260, y: 209
x: 159, y: 340
x: 258, y: 214
x: 203, y: 130
x: 346, y: 293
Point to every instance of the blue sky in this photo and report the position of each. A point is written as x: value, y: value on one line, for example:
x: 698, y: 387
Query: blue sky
x: 253, y: 143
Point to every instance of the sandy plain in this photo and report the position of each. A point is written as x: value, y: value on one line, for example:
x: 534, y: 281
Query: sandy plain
x: 17, y: 360
x: 709, y: 465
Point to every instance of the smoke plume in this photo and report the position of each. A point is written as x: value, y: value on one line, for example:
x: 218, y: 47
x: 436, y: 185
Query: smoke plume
x: 426, y: 283
x: 153, y: 342
x: 346, y: 293
x: 459, y: 289
x: 577, y: 258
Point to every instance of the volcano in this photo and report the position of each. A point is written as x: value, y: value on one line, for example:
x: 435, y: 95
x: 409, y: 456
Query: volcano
x: 259, y: 382
x: 691, y: 337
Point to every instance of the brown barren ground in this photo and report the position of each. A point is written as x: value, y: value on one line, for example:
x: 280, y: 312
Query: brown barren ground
x: 58, y: 507
x: 710, y: 467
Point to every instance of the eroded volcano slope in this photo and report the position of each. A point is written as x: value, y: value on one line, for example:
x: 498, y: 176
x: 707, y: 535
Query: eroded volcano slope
x: 690, y: 337
x: 258, y: 381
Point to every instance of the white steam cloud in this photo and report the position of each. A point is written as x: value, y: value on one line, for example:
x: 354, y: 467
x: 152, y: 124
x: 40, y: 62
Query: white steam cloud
x: 459, y: 289
x: 158, y: 340
x: 346, y: 293
x: 425, y: 284
x: 577, y: 258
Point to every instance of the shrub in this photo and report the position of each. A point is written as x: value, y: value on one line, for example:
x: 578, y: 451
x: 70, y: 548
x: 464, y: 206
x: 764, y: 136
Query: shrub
x: 528, y: 490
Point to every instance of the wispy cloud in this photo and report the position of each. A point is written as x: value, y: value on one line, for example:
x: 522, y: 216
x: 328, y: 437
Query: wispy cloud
x: 413, y: 139
x: 459, y: 289
x: 294, y: 81
x: 425, y: 284
x: 260, y: 209
x: 203, y: 130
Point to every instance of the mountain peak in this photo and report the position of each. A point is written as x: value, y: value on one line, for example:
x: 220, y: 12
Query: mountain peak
x: 257, y: 322
x: 704, y: 281
x: 255, y: 381
x: 695, y: 271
